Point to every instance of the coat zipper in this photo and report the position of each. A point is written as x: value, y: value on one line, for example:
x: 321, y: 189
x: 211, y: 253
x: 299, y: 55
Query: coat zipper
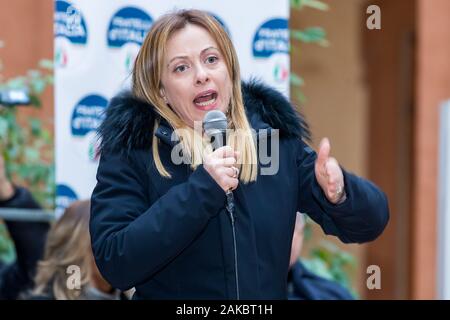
x: 230, y: 210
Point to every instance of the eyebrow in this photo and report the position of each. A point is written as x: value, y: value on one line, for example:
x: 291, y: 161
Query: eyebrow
x: 184, y: 57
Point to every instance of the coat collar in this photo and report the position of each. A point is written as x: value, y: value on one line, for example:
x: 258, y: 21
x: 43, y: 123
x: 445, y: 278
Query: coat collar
x: 128, y: 122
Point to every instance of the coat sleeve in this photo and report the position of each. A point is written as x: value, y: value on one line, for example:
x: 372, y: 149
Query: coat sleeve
x: 132, y: 238
x: 362, y: 217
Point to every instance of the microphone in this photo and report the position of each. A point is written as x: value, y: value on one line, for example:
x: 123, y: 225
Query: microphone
x: 215, y: 126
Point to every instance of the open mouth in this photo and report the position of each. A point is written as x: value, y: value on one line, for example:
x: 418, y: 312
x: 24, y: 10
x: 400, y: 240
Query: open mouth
x: 206, y: 100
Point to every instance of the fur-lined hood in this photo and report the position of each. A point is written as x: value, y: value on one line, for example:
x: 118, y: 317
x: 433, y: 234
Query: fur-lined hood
x: 128, y: 122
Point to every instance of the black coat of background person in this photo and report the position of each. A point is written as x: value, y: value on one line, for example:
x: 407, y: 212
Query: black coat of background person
x: 306, y: 285
x: 29, y: 240
x: 171, y: 238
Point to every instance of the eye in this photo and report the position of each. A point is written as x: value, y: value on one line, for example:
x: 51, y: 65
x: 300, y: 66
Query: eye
x: 181, y: 68
x: 211, y: 59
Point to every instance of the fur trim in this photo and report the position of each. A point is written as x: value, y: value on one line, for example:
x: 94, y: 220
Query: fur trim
x: 129, y: 121
x: 274, y: 109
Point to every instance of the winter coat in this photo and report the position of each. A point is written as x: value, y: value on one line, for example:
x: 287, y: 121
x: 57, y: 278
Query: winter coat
x: 174, y: 239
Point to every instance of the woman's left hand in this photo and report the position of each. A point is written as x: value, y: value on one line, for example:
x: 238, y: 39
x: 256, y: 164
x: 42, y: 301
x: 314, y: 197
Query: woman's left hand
x: 329, y: 174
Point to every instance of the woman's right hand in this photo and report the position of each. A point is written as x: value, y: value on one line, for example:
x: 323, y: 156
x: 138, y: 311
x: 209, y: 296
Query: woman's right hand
x: 220, y: 164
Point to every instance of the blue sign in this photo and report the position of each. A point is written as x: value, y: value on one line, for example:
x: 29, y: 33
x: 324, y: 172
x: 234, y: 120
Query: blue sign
x: 129, y: 24
x: 64, y: 197
x: 88, y: 114
x: 69, y: 23
x: 271, y: 37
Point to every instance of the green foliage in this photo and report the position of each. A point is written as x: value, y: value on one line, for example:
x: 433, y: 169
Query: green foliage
x: 326, y: 259
x: 7, y: 251
x: 311, y: 35
x: 314, y: 4
x: 329, y: 261
x: 27, y: 146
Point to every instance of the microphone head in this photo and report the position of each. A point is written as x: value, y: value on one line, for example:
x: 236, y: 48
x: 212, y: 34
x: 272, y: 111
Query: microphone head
x: 214, y: 122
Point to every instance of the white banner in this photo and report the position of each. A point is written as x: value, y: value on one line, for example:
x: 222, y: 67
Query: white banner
x: 96, y: 43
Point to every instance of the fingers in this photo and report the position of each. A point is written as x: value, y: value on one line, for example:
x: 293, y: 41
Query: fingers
x: 333, y: 171
x: 328, y: 173
x: 232, y: 171
x: 228, y: 178
x: 221, y: 165
x: 224, y: 152
x: 225, y: 156
x: 335, y: 179
x: 324, y: 152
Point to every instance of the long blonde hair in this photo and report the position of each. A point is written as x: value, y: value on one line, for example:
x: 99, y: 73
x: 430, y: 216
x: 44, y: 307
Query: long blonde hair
x: 146, y: 85
x: 68, y: 243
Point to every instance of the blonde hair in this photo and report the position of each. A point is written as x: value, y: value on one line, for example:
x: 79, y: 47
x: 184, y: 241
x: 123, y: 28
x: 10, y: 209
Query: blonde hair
x: 146, y: 85
x: 68, y: 243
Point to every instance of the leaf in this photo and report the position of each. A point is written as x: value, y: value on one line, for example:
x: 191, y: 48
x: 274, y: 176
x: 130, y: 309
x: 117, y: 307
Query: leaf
x: 299, y: 96
x: 35, y: 100
x: 296, y: 80
x: 46, y: 64
x: 314, y: 4
x: 50, y: 79
x: 3, y: 128
x: 310, y: 35
x: 16, y: 83
x: 38, y: 85
x: 36, y: 126
x: 7, y: 251
x: 318, y: 267
x: 31, y: 154
x: 295, y: 4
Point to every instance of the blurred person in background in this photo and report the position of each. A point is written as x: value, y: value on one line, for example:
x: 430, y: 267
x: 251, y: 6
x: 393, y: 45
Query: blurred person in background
x: 28, y: 238
x: 67, y: 251
x: 304, y: 284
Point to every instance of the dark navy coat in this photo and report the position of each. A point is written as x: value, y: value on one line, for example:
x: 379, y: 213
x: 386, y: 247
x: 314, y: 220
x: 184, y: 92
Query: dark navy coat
x: 172, y: 238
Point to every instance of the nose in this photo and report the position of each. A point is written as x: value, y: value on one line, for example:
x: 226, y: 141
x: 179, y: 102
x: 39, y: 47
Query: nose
x: 201, y: 76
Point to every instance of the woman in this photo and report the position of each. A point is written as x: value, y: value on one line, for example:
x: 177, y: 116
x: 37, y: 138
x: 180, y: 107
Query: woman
x: 160, y: 225
x: 68, y: 270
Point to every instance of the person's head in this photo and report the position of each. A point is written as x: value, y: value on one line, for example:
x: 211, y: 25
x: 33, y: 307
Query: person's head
x: 68, y: 244
x: 187, y: 66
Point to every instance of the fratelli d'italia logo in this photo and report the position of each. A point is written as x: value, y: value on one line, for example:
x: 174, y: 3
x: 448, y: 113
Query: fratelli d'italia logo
x: 64, y: 197
x: 271, y: 37
x: 88, y: 114
x: 127, y: 29
x: 70, y: 31
x: 271, y: 41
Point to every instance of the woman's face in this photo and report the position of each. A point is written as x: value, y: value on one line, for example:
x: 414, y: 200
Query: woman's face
x: 195, y: 78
